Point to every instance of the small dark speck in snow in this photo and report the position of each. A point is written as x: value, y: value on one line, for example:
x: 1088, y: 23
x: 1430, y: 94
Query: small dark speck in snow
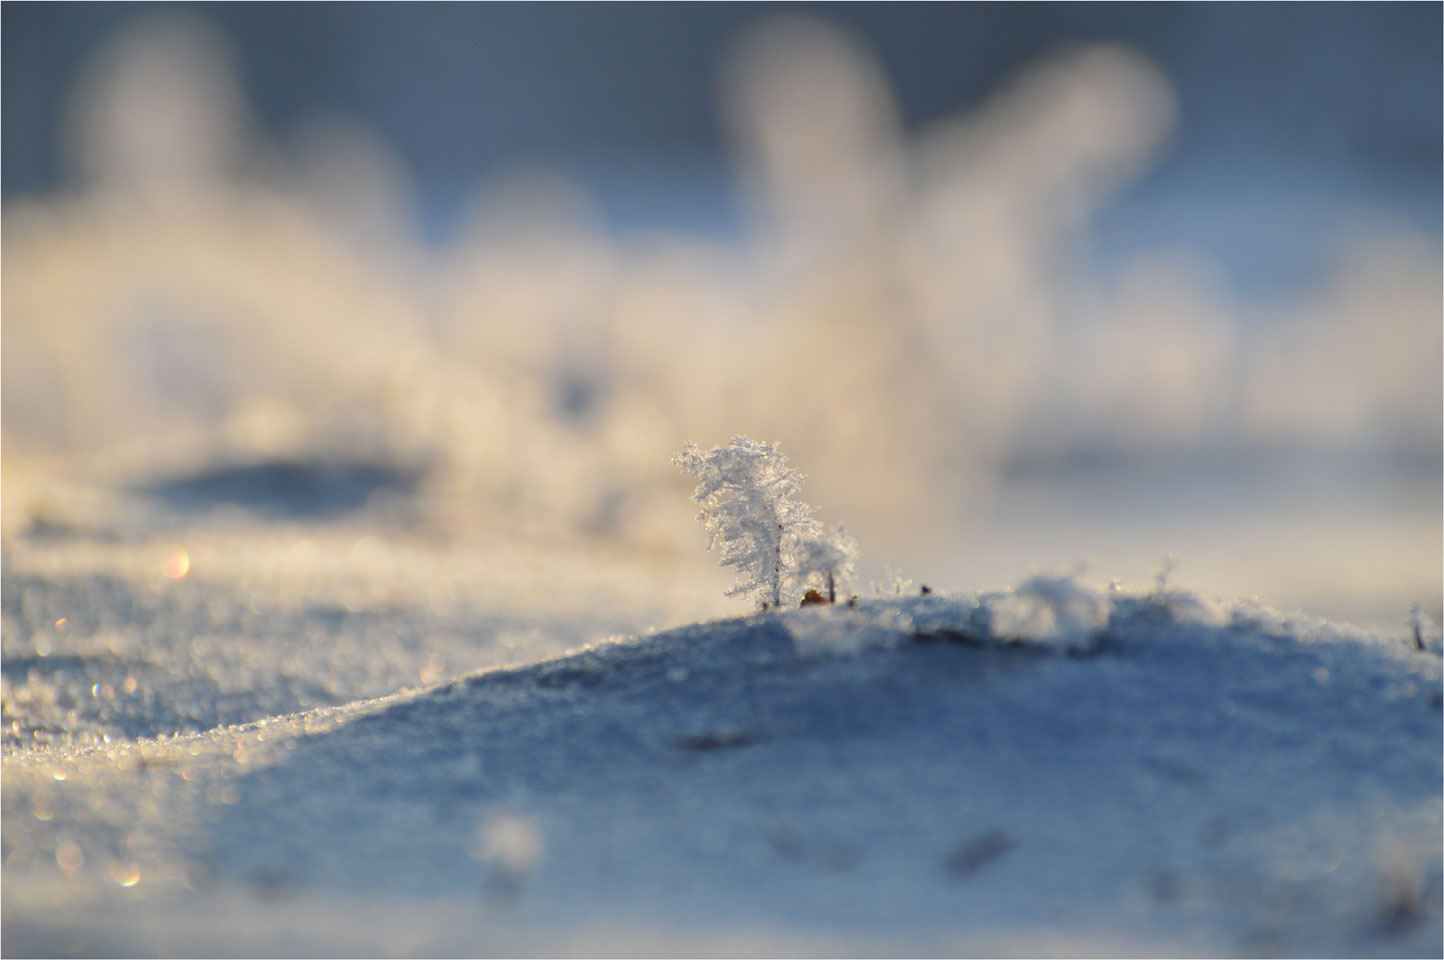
x: 977, y: 851
x: 272, y: 884
x: 1164, y: 885
x: 717, y: 740
x: 565, y: 677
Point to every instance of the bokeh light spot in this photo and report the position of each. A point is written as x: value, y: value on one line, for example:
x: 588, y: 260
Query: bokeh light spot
x: 125, y: 875
x: 69, y: 857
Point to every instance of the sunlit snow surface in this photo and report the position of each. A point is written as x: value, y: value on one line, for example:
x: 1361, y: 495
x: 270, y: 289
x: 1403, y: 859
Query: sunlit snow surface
x: 327, y: 740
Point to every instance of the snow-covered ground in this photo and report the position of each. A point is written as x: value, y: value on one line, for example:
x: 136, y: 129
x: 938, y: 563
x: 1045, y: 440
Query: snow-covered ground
x: 301, y: 741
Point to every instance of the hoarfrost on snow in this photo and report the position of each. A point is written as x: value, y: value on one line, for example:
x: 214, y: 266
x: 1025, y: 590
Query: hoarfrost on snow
x: 1049, y: 611
x: 746, y: 492
x: 1066, y: 614
x: 677, y: 776
x: 835, y: 630
x: 512, y: 844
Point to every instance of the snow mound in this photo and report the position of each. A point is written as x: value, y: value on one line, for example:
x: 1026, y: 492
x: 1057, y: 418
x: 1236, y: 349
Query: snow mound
x: 1050, y: 612
x: 1122, y: 773
x: 1059, y: 613
x: 1064, y: 614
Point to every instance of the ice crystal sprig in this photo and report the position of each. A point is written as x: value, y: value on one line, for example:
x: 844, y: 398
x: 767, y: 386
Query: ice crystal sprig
x: 747, y: 492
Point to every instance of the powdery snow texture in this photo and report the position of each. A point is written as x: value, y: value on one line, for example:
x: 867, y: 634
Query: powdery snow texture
x: 1047, y: 770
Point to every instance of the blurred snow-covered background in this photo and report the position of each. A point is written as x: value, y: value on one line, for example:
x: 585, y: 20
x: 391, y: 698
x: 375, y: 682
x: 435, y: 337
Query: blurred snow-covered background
x: 1016, y: 288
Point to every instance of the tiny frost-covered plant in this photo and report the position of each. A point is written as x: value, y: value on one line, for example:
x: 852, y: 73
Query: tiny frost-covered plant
x: 746, y: 490
x: 827, y: 561
x: 897, y: 585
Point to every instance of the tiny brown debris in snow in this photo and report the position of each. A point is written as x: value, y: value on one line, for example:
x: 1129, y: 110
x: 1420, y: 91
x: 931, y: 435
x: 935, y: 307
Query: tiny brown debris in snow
x: 718, y: 740
x: 977, y: 851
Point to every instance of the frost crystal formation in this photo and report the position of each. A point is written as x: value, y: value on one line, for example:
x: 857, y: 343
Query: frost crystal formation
x: 827, y: 561
x: 746, y: 491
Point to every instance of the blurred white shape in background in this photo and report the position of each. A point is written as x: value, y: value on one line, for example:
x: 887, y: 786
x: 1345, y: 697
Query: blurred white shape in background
x: 819, y: 136
x: 159, y: 110
x: 181, y: 309
x: 1356, y: 365
x: 1145, y: 366
x: 355, y: 182
x: 912, y: 302
x: 908, y: 317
